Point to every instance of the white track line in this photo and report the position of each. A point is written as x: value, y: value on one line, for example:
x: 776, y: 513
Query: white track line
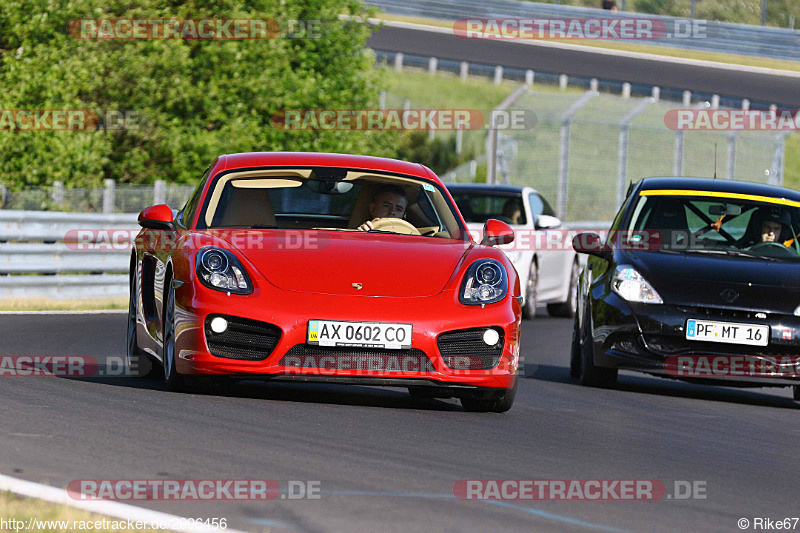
x: 603, y: 51
x: 118, y: 510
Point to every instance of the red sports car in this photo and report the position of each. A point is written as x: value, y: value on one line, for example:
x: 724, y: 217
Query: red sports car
x: 326, y: 267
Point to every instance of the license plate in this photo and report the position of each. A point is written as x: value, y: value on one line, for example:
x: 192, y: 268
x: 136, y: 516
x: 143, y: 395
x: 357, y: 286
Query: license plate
x: 359, y: 334
x: 730, y: 332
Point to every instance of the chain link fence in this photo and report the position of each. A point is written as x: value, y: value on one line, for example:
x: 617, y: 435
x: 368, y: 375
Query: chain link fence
x: 584, y: 150
x: 112, y: 198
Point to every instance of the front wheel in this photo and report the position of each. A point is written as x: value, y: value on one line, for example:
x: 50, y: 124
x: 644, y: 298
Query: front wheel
x: 172, y: 379
x: 139, y: 365
x: 591, y: 375
x: 498, y: 403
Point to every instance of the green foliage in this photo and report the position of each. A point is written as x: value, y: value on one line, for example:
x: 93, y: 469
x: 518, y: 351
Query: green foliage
x: 196, y: 98
x: 438, y: 154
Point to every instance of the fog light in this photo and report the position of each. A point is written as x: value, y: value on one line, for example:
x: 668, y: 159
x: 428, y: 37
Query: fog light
x: 219, y: 324
x: 490, y: 337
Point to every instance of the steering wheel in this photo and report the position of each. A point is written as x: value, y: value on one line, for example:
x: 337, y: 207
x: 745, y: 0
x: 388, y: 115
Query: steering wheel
x: 773, y: 249
x: 396, y: 225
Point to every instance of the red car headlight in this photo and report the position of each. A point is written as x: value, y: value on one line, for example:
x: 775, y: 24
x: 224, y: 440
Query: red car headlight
x: 220, y: 270
x: 486, y: 282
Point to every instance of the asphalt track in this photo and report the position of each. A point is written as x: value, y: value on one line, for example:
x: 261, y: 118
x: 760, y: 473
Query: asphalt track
x: 387, y: 462
x: 780, y: 90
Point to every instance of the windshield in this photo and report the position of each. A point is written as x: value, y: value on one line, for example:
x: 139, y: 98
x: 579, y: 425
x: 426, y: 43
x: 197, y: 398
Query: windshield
x: 329, y: 199
x: 720, y: 223
x: 478, y: 206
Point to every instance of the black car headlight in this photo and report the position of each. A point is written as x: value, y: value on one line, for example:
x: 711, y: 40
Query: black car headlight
x: 220, y: 270
x: 486, y: 282
x: 631, y: 286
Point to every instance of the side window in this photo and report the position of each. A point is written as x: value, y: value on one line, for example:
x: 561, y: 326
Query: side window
x: 539, y: 206
x: 187, y: 213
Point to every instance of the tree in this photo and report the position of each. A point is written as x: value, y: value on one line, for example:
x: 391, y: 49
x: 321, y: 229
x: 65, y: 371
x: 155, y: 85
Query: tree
x: 192, y: 99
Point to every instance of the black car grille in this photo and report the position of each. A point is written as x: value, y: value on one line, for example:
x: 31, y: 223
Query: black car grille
x: 354, y: 358
x: 717, y: 312
x: 674, y: 345
x: 245, y: 339
x: 465, y: 349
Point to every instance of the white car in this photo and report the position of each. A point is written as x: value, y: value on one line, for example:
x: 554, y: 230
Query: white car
x: 547, y: 266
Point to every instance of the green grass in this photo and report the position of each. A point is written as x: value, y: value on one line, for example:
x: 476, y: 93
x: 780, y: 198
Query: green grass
x: 44, y: 304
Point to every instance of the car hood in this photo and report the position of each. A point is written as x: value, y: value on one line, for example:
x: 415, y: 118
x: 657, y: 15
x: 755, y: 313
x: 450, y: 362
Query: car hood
x: 331, y: 262
x: 699, y: 279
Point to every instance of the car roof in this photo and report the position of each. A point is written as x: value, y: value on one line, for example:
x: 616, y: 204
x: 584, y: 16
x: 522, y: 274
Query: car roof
x: 721, y: 185
x: 311, y: 159
x: 485, y: 187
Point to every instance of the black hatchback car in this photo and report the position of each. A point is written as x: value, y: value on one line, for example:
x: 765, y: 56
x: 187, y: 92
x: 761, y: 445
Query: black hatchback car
x: 698, y: 280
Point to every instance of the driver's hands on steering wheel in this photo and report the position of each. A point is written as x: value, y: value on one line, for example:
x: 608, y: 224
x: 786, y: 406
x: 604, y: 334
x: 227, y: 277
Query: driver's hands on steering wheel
x: 368, y: 225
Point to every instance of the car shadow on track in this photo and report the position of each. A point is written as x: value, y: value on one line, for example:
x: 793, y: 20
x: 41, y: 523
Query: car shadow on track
x: 323, y: 393
x: 644, y: 384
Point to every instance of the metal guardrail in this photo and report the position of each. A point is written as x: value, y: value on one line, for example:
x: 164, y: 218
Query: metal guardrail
x: 75, y: 255
x: 103, y: 267
x: 763, y: 41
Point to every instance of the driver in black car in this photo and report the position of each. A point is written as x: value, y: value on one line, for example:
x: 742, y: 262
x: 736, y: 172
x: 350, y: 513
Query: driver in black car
x: 390, y: 201
x: 771, y: 224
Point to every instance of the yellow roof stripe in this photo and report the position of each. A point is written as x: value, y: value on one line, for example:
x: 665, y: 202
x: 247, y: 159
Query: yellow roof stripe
x: 720, y: 194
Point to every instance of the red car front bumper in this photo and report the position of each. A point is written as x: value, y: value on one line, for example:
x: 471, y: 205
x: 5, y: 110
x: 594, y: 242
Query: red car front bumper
x: 290, y: 311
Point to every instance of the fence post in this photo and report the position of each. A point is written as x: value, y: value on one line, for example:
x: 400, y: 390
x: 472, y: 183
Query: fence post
x: 108, y: 196
x: 58, y: 193
x: 460, y: 139
x: 491, y: 136
x: 622, y: 154
x: 563, y: 81
x: 382, y: 99
x: 594, y: 84
x: 714, y: 101
x: 159, y: 192
x: 464, y: 71
x: 730, y: 167
x: 677, y: 158
x: 3, y: 196
x: 473, y: 169
x: 563, y: 159
x: 626, y: 90
x: 498, y: 75
x: 687, y: 98
x: 529, y: 78
x: 398, y: 62
x: 433, y: 63
x: 656, y: 94
x: 778, y: 156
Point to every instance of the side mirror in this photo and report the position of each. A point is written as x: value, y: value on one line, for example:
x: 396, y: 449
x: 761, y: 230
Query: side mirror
x: 497, y: 232
x: 546, y: 222
x: 589, y: 243
x: 157, y: 217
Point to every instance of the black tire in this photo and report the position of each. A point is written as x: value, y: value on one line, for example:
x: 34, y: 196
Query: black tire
x: 173, y: 381
x: 500, y: 402
x: 796, y: 392
x: 531, y: 288
x: 591, y: 375
x: 567, y: 309
x: 575, y: 350
x: 139, y: 364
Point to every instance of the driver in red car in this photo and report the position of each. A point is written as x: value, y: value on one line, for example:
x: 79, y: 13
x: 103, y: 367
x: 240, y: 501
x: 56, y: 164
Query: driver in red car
x: 390, y: 201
